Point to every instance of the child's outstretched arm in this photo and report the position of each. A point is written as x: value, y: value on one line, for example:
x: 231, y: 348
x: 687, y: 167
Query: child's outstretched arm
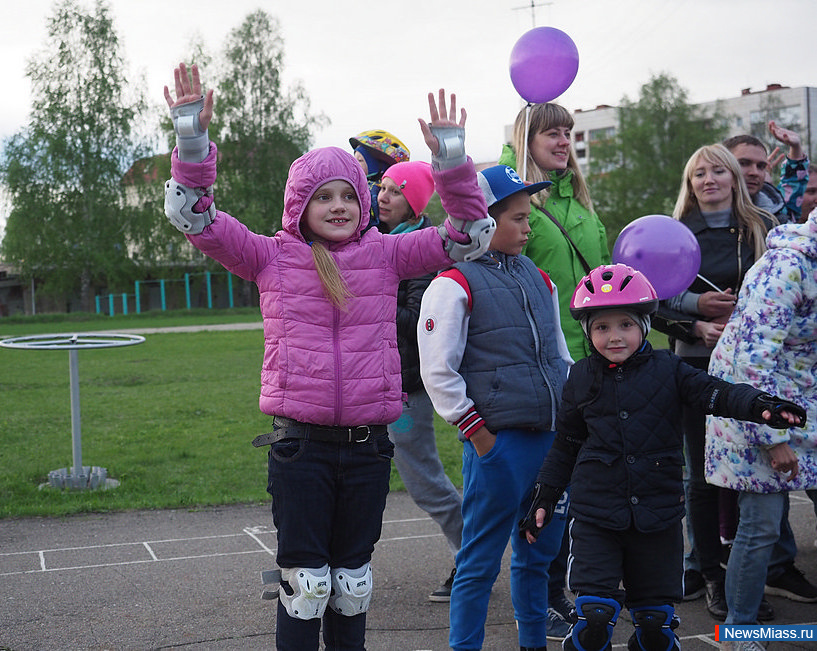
x: 468, y: 229
x: 444, y: 135
x: 776, y: 412
x: 191, y: 113
x: 189, y: 194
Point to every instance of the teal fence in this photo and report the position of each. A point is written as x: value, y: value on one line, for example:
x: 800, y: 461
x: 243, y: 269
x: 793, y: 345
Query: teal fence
x: 202, y: 289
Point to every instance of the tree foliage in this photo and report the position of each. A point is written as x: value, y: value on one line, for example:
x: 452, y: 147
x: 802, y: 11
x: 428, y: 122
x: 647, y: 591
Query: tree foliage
x: 64, y: 170
x: 85, y: 189
x: 638, y: 170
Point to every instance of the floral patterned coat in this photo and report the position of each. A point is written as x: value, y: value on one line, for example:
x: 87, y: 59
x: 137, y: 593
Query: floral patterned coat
x: 771, y: 343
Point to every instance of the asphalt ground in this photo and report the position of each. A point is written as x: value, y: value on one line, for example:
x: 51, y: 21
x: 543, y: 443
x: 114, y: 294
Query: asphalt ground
x: 190, y: 579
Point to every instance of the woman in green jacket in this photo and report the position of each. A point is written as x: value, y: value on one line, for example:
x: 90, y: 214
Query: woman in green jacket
x: 565, y: 256
x: 550, y: 157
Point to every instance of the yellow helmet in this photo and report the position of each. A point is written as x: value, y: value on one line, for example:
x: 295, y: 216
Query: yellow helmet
x: 381, y: 144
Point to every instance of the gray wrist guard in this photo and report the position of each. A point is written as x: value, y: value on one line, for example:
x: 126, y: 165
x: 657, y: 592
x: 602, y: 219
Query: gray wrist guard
x: 480, y: 233
x: 452, y: 147
x: 179, y: 202
x: 192, y: 141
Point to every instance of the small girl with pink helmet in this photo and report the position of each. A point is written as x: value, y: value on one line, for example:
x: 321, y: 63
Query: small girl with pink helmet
x: 619, y: 446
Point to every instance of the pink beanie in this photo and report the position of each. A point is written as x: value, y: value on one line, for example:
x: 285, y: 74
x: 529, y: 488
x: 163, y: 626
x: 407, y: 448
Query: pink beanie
x: 415, y: 181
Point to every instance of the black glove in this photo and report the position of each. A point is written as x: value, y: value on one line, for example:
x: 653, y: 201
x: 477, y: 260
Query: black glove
x: 542, y: 497
x: 775, y: 405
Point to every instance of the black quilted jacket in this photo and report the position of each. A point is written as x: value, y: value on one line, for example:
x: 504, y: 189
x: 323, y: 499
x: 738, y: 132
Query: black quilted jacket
x: 619, y: 443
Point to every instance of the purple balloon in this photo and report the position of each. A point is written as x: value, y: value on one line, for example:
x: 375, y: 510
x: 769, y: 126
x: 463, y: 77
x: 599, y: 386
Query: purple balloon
x: 663, y: 249
x: 544, y: 62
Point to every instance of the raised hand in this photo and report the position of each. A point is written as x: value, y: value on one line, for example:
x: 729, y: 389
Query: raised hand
x: 190, y: 91
x: 440, y: 117
x: 788, y: 137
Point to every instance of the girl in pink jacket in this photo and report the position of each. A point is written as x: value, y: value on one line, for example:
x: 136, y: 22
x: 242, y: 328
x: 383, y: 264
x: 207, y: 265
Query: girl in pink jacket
x: 331, y: 371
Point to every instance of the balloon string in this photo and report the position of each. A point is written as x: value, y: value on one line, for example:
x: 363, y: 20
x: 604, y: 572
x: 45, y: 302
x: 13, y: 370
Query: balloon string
x: 525, y: 144
x: 711, y: 284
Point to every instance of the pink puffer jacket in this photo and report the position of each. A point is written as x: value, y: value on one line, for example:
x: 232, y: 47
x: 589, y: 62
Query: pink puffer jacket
x: 323, y: 365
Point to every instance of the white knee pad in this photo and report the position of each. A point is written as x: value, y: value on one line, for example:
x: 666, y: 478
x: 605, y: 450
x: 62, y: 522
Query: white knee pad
x: 351, y: 590
x: 305, y: 591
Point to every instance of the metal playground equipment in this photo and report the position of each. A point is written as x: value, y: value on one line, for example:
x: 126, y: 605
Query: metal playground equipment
x: 79, y: 476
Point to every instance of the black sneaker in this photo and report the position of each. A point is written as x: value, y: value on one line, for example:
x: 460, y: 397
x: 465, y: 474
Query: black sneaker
x: 562, y: 605
x: 443, y: 593
x: 765, y: 612
x: 716, y: 600
x: 694, y: 585
x: 792, y: 585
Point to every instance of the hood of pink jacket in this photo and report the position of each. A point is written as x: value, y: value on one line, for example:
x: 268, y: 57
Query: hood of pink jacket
x: 311, y: 171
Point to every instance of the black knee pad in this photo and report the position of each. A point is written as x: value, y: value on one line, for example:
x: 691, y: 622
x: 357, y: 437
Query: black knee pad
x: 594, y: 628
x: 654, y: 629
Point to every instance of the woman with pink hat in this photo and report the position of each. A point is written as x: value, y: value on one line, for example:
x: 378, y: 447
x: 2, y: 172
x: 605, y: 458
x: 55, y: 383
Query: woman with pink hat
x: 405, y: 190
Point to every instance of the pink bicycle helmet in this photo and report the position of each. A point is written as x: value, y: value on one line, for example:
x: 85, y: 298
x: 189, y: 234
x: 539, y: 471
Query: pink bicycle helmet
x: 614, y: 286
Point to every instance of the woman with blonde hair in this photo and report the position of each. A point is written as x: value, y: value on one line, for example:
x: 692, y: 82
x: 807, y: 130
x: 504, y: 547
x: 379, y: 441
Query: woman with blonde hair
x: 754, y: 220
x: 714, y: 203
x: 542, y: 151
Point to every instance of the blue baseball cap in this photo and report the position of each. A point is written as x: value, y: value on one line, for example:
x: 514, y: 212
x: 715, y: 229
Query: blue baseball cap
x: 501, y: 181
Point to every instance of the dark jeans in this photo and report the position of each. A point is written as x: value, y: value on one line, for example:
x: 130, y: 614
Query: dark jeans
x: 327, y: 506
x: 702, y: 498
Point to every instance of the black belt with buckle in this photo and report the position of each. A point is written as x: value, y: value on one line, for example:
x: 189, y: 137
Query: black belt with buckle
x: 286, y: 428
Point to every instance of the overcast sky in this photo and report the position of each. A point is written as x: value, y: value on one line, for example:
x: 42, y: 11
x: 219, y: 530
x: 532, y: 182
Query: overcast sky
x: 369, y: 65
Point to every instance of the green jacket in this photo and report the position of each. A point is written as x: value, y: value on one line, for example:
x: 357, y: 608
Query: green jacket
x: 554, y: 255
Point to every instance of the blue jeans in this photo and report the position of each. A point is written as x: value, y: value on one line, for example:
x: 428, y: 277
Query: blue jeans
x: 758, y: 531
x: 327, y: 505
x: 418, y: 462
x: 496, y: 495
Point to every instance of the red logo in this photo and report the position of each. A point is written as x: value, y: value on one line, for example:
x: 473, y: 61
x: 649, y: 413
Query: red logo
x: 429, y: 325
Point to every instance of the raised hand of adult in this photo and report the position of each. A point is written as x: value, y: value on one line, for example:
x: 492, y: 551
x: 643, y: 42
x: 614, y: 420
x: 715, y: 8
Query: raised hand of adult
x: 788, y: 137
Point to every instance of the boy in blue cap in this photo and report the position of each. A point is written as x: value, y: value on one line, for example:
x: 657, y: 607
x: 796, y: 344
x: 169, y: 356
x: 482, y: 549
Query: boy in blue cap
x: 493, y: 359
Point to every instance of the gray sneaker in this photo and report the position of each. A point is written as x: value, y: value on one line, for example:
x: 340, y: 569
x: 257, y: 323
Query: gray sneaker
x: 557, y: 628
x: 443, y: 593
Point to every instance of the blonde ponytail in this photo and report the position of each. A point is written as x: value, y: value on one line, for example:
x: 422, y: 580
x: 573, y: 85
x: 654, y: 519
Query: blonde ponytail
x: 334, y: 286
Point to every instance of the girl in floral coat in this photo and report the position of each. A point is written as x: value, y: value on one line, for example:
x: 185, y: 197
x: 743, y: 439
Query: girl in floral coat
x: 769, y: 342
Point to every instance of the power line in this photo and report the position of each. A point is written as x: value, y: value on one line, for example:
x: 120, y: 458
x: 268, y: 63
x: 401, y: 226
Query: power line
x: 532, y: 8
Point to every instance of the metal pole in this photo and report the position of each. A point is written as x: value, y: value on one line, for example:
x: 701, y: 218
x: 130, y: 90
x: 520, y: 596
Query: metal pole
x: 33, y: 300
x: 76, y: 424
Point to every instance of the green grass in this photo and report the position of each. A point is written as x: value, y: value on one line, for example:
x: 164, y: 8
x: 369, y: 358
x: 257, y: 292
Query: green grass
x: 172, y: 419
